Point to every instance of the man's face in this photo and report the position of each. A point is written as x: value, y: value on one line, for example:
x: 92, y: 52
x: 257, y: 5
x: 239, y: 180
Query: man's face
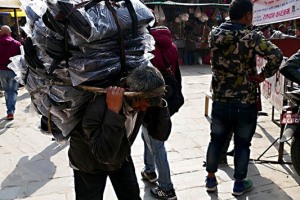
x: 267, y: 33
x: 142, y: 105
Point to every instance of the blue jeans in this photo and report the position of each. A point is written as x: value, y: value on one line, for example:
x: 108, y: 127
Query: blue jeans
x: 242, y: 120
x: 10, y: 87
x: 155, y: 155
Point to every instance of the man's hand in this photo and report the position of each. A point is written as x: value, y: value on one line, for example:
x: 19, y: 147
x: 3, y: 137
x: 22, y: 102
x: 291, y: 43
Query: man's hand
x: 257, y: 78
x: 114, y: 98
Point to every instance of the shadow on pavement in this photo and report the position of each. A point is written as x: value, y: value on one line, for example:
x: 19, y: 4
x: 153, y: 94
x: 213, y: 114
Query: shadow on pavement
x: 274, y: 190
x: 147, y: 187
x: 195, y: 70
x: 4, y: 125
x: 23, y: 96
x: 30, y: 174
x: 286, y: 158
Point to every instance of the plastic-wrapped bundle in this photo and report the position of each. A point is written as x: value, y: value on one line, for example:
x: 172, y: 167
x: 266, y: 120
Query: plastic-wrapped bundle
x: 34, y: 10
x: 61, y: 56
x: 98, y: 22
x: 64, y: 103
x: 101, y: 61
x: 52, y: 48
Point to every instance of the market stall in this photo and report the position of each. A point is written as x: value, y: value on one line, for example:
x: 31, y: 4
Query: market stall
x: 190, y: 24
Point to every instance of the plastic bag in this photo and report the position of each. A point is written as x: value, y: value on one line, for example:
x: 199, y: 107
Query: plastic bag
x: 89, y: 54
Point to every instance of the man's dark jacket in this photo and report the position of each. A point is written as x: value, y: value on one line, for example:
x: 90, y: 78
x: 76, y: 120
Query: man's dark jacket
x: 100, y: 143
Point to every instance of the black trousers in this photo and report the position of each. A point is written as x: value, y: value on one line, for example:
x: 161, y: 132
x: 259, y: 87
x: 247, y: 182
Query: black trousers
x: 124, y: 181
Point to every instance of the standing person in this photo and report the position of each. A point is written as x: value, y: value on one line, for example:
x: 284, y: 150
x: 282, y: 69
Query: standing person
x: 100, y: 145
x: 155, y: 155
x: 9, y: 47
x: 233, y: 47
x: 266, y: 31
x: 190, y: 45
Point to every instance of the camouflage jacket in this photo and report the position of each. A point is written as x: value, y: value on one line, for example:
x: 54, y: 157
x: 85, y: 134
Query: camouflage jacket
x: 233, y: 50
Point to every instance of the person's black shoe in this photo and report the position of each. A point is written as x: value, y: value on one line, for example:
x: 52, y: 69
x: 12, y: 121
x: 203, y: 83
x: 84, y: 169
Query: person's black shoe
x: 158, y: 193
x: 150, y: 177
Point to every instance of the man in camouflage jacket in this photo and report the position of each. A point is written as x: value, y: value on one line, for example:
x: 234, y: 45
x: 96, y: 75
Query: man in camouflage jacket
x: 233, y: 49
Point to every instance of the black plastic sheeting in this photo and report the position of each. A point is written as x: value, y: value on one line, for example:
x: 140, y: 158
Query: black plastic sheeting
x: 69, y: 46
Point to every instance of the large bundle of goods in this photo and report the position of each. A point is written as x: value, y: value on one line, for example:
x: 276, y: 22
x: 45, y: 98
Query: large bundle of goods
x: 73, y: 45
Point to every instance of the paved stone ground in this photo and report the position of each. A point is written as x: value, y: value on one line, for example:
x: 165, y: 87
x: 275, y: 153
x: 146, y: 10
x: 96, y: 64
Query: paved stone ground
x: 33, y: 167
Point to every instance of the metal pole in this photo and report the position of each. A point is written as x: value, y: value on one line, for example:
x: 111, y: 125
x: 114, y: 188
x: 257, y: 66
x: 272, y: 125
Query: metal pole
x: 17, y: 24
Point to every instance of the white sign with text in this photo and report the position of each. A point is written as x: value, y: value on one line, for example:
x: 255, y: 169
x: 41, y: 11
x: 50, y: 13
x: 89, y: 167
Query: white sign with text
x: 272, y: 11
x: 272, y: 88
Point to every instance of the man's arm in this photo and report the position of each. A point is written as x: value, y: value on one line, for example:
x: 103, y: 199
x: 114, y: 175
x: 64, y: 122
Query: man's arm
x: 271, y: 53
x: 104, y: 126
x: 280, y: 35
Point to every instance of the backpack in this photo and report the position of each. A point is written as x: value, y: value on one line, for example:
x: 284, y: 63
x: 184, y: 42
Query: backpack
x: 174, y: 95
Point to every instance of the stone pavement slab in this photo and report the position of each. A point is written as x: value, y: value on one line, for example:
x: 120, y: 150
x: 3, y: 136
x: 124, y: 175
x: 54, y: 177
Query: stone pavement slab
x: 35, y: 168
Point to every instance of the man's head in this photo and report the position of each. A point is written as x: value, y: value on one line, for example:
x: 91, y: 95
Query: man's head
x: 266, y: 30
x: 241, y: 11
x: 5, y: 30
x: 282, y: 28
x: 149, y: 83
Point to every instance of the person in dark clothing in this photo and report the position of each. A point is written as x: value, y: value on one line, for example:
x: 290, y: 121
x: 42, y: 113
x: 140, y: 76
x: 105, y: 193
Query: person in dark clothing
x: 190, y: 48
x: 290, y: 69
x: 235, y: 81
x: 100, y: 145
x: 9, y: 47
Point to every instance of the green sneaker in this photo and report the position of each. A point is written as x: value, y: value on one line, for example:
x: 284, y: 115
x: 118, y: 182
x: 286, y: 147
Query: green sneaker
x: 240, y: 187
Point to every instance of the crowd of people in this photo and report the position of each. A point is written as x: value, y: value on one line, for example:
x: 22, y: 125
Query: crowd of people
x: 100, y: 144
x: 279, y: 31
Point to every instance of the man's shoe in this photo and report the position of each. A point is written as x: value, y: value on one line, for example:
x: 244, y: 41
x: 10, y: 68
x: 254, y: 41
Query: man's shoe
x: 10, y: 117
x: 211, y: 184
x: 1, y: 94
x: 241, y: 187
x: 150, y: 177
x: 158, y: 193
